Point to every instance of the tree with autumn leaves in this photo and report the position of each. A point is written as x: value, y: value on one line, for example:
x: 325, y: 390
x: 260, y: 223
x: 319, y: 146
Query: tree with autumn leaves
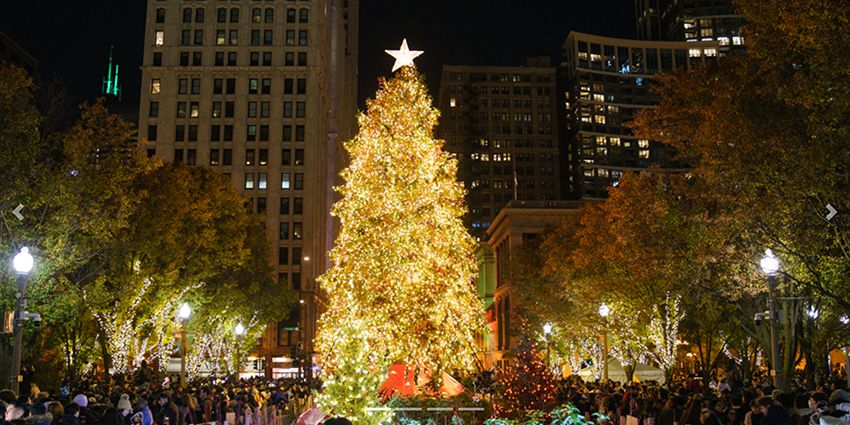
x: 120, y: 239
x: 766, y: 134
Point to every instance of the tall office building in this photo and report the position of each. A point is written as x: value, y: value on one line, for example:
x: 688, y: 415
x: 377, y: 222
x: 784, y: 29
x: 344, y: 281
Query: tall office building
x: 263, y: 92
x: 501, y: 124
x: 606, y: 83
x: 14, y: 54
x: 691, y: 20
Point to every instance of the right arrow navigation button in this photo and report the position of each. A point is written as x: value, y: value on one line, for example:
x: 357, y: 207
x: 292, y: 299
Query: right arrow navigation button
x: 832, y: 212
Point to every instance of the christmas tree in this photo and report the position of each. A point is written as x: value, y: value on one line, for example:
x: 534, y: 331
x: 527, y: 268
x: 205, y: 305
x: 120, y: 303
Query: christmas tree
x: 526, y: 384
x: 403, y: 261
x: 351, y: 387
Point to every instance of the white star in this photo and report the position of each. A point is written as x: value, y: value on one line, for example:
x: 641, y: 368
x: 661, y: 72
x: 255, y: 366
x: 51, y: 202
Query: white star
x: 403, y: 56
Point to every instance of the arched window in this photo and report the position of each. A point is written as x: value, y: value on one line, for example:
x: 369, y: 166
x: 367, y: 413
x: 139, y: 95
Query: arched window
x: 187, y: 15
x: 290, y: 15
x: 160, y: 15
x: 256, y: 15
x: 269, y: 15
x: 303, y: 15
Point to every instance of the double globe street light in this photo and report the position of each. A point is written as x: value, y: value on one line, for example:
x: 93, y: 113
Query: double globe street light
x: 239, y: 330
x: 604, y: 311
x: 23, y: 264
x: 183, y: 313
x: 770, y: 266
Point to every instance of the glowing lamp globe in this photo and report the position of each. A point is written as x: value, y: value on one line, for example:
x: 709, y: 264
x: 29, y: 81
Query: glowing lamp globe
x: 547, y: 329
x: 769, y: 263
x: 604, y: 311
x: 813, y: 312
x: 185, y: 311
x: 844, y: 319
x: 23, y: 261
x: 240, y: 330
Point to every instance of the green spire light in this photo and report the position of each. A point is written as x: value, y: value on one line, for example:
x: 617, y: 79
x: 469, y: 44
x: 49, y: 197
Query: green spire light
x: 110, y: 86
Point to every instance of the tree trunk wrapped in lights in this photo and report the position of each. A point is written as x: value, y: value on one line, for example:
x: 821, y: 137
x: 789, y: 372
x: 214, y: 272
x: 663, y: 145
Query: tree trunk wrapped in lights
x: 403, y: 261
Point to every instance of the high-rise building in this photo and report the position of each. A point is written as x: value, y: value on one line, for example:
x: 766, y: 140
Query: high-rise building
x: 606, y: 83
x: 501, y: 124
x: 691, y: 20
x: 12, y: 53
x: 262, y: 92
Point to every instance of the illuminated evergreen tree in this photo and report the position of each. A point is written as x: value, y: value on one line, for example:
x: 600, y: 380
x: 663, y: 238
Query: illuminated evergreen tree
x: 403, y: 261
x: 352, y: 386
x: 526, y: 384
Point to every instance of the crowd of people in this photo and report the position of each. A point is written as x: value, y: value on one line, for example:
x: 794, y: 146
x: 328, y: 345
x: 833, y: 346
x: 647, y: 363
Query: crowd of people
x: 722, y: 401
x: 144, y: 399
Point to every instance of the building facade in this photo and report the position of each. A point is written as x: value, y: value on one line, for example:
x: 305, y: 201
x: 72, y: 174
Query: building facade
x: 518, y: 223
x: 606, y: 82
x: 500, y: 122
x: 691, y: 20
x: 262, y: 92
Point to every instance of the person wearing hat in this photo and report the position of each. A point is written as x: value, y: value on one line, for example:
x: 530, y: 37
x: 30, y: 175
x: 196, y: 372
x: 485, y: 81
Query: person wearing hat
x: 124, y: 407
x: 85, y: 416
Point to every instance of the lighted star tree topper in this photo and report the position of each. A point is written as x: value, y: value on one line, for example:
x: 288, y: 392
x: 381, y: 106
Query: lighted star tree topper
x: 403, y: 261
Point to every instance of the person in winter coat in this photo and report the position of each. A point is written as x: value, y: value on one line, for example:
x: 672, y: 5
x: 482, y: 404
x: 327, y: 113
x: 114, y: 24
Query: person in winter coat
x: 71, y: 415
x: 774, y: 414
x: 56, y: 411
x: 168, y: 413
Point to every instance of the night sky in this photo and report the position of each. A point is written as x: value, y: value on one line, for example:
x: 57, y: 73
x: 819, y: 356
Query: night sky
x: 71, y: 39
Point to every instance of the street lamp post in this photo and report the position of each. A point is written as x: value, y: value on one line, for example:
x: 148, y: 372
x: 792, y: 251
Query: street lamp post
x: 184, y: 313
x: 604, y: 311
x: 770, y: 265
x: 22, y: 264
x: 547, y: 330
x: 240, y: 330
x: 845, y: 320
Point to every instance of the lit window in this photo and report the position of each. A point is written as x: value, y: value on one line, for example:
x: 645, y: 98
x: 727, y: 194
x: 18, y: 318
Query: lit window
x: 262, y: 182
x: 284, y: 181
x: 724, y: 41
x: 599, y: 119
x: 643, y: 143
x: 737, y: 40
x: 643, y: 153
x: 452, y: 102
x: 249, y: 180
x: 159, y: 39
x: 155, y: 86
x: 599, y: 97
x: 615, y: 141
x: 194, y: 110
x: 711, y: 52
x: 695, y: 53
